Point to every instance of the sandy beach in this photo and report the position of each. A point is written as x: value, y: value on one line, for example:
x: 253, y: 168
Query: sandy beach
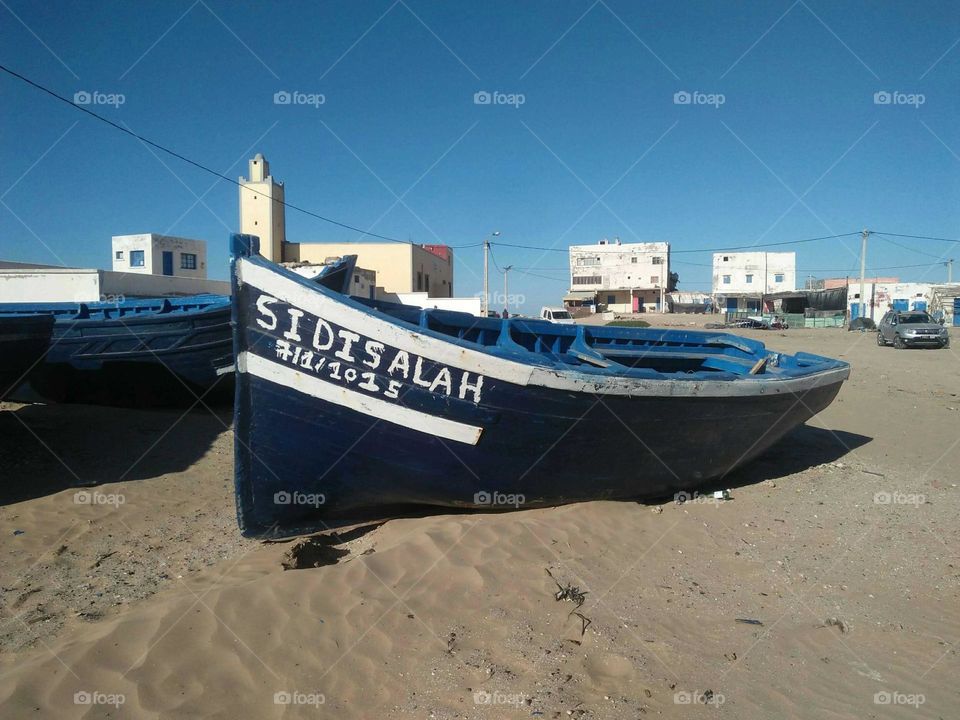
x: 826, y: 586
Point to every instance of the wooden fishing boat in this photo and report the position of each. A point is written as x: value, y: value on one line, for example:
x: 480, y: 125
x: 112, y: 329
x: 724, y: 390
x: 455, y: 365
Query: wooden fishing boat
x: 144, y: 352
x: 23, y: 341
x: 349, y: 408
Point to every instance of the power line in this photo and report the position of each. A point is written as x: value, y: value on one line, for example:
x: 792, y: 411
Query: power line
x: 776, y: 244
x: 907, y: 247
x: 196, y: 164
x: 916, y: 237
x: 700, y: 250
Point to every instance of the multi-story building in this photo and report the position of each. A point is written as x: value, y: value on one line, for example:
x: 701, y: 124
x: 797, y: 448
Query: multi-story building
x: 741, y: 278
x: 632, y: 277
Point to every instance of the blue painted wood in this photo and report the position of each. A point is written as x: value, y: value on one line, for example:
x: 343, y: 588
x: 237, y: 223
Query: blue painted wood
x: 303, y: 464
x: 167, y: 262
x: 157, y: 351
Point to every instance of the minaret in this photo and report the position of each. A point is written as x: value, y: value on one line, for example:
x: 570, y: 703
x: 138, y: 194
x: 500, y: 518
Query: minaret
x: 262, y: 209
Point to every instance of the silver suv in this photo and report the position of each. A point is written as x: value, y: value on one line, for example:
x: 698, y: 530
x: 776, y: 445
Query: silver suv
x: 911, y: 329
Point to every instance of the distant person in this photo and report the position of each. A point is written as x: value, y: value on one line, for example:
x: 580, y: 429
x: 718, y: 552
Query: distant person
x: 505, y: 314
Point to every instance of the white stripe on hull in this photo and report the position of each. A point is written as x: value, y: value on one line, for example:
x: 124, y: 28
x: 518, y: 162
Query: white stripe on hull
x: 374, y: 407
x: 365, y: 321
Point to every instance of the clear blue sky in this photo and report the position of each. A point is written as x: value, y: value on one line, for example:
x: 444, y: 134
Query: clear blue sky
x: 598, y: 119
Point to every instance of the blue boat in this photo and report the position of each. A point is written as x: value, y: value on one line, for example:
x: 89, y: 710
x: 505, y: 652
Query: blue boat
x: 145, y: 352
x: 23, y: 341
x: 348, y: 409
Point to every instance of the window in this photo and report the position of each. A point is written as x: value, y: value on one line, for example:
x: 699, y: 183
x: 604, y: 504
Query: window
x: 587, y: 280
x: 778, y: 277
x: 119, y: 255
x: 726, y: 279
x: 136, y: 258
x: 356, y: 279
x: 188, y: 261
x: 634, y: 259
x: 611, y: 299
x: 726, y: 258
x: 658, y: 260
x: 654, y: 279
x: 749, y: 278
x: 588, y: 261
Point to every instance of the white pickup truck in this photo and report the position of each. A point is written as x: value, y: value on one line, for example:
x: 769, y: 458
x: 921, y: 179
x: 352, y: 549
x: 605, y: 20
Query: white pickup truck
x: 557, y: 315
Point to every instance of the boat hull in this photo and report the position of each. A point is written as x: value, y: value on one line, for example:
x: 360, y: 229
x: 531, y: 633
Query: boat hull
x: 342, y: 414
x: 346, y: 465
x: 23, y: 341
x: 137, y: 359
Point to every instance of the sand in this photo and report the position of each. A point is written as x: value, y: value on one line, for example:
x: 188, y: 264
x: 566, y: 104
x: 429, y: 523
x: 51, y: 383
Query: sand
x: 840, y: 546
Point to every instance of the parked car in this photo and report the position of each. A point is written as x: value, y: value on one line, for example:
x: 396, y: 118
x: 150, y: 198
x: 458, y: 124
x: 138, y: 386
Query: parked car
x: 557, y: 315
x: 911, y: 329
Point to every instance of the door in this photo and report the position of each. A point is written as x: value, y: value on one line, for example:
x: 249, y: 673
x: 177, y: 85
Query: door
x: 167, y: 262
x: 855, y: 311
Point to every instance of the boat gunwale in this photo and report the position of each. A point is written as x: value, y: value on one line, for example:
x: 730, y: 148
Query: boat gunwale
x: 510, y: 366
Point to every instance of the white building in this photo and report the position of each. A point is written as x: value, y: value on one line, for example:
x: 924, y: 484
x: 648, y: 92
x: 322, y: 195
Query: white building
x: 880, y: 297
x: 262, y: 209
x: 741, y: 278
x: 21, y: 282
x: 626, y: 278
x: 153, y: 254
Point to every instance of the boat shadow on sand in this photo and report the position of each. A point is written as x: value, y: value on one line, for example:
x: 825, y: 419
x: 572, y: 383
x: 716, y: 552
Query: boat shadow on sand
x: 45, y: 449
x: 804, y: 448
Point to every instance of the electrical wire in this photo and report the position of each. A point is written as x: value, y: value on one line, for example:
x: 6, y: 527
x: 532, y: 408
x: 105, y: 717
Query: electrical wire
x: 907, y: 247
x: 915, y: 237
x: 194, y: 163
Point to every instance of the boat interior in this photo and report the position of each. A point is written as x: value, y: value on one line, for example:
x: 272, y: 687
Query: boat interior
x: 634, y: 352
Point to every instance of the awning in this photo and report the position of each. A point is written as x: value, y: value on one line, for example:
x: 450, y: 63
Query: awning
x: 579, y: 295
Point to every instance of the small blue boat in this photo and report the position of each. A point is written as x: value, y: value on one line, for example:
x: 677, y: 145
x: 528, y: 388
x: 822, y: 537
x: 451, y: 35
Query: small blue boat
x: 23, y: 341
x: 348, y: 409
x: 146, y: 352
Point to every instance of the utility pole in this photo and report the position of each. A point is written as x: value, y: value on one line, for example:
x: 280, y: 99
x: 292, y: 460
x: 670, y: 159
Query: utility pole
x: 863, y: 271
x: 950, y: 270
x: 506, y: 270
x: 763, y: 288
x: 485, y: 305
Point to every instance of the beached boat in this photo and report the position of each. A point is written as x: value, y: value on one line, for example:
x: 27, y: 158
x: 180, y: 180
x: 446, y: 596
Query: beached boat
x: 159, y: 351
x: 348, y: 408
x: 23, y: 341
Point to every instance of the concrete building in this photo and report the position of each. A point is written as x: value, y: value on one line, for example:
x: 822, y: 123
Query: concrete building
x: 400, y: 267
x: 741, y: 278
x: 153, y: 254
x: 625, y: 278
x: 59, y: 284
x: 145, y: 265
x: 831, y: 283
x: 363, y: 284
x: 880, y: 297
x: 262, y: 209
